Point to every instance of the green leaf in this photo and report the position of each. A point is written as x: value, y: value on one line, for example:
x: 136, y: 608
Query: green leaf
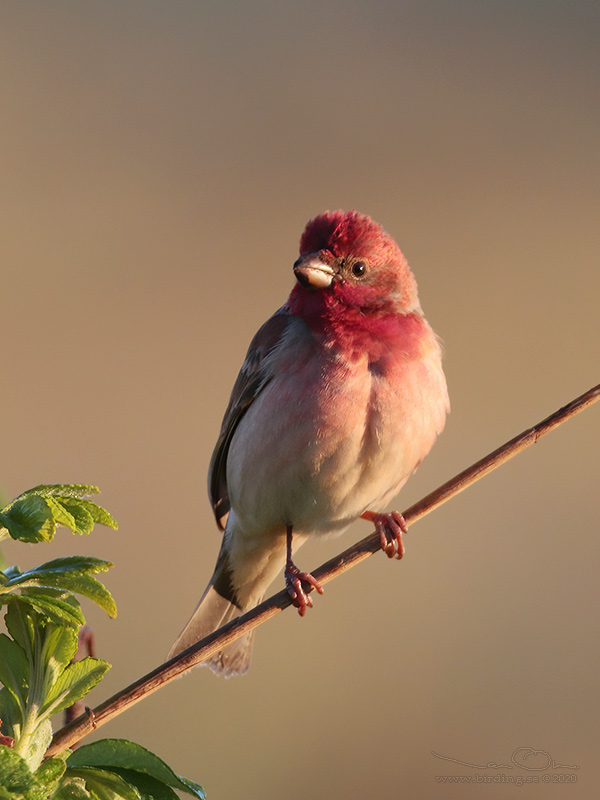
x: 10, y: 712
x: 14, y: 669
x: 59, y: 648
x: 38, y: 743
x: 49, y: 774
x: 9, y: 574
x: 21, y: 625
x: 34, y: 514
x: 71, y: 565
x: 15, y: 775
x: 52, y: 603
x: 29, y: 519
x: 105, y: 785
x: 60, y: 514
x: 83, y: 520
x: 74, y: 683
x: 68, y: 574
x: 86, y: 514
x: 146, y: 785
x: 99, y: 514
x: 64, y: 489
x: 89, y: 587
x: 124, y: 754
x: 72, y: 789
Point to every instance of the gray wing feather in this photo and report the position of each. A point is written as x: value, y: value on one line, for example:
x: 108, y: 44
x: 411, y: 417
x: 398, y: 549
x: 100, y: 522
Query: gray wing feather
x: 253, y: 377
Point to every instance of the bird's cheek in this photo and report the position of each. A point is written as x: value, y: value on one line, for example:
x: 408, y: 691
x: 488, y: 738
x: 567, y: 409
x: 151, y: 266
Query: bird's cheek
x: 354, y: 294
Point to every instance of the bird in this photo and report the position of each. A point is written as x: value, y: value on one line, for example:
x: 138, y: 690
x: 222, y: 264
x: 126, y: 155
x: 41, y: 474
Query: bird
x: 340, y: 397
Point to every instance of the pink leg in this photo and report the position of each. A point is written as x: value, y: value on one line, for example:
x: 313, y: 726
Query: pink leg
x: 293, y: 580
x: 390, y: 528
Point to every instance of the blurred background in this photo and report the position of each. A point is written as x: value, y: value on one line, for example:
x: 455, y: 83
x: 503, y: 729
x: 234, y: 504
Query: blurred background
x: 159, y: 161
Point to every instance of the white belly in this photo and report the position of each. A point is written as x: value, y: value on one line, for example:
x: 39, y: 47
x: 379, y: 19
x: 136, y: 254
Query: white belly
x: 320, y: 458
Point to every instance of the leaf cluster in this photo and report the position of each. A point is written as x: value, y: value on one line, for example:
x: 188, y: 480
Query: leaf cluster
x: 34, y: 515
x: 49, y: 588
x: 41, y: 671
x: 111, y: 769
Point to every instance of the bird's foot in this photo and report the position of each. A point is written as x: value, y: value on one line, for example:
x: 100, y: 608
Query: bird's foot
x: 390, y: 528
x: 293, y: 582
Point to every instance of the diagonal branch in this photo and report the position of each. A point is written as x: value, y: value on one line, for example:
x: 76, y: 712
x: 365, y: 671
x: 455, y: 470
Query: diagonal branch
x: 204, y: 649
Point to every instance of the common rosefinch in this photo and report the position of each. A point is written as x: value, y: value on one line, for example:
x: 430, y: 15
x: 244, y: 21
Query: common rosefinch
x: 340, y: 398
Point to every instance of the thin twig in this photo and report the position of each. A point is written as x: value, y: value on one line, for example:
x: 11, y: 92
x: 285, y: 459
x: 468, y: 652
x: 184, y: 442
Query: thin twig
x: 204, y: 649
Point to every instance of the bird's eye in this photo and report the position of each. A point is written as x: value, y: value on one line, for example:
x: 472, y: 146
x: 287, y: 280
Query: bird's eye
x: 359, y: 268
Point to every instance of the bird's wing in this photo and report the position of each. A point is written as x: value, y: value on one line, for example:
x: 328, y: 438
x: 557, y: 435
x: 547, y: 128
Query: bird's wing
x: 253, y: 377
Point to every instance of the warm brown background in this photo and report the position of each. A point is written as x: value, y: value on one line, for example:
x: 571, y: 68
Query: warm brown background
x: 158, y: 163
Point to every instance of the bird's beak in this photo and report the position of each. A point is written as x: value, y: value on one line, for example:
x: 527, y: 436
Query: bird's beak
x: 312, y: 273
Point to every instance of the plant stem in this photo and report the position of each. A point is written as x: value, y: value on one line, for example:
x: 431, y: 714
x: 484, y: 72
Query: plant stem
x: 31, y: 719
x: 202, y: 650
x: 23, y: 741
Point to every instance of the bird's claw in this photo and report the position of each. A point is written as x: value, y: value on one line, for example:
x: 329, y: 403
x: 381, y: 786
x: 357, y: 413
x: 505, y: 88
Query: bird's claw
x: 390, y: 528
x: 293, y: 581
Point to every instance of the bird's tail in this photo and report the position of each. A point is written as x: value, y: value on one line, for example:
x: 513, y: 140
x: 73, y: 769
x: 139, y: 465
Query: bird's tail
x: 244, y: 570
x: 212, y: 611
x: 219, y: 604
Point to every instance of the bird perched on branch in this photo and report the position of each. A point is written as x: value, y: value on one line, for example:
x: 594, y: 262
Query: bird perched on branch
x: 340, y: 398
